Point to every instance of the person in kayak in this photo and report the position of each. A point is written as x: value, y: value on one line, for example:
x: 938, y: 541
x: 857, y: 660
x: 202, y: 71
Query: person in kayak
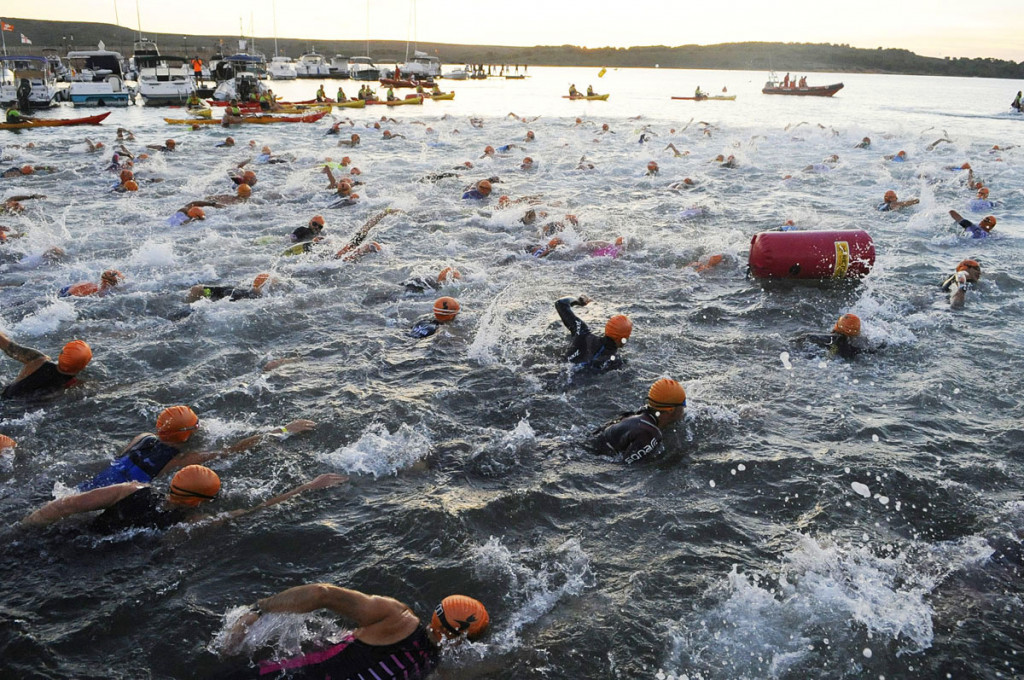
x: 842, y: 341
x: 587, y: 350
x: 40, y: 374
x: 445, y: 310
x: 637, y: 435
x: 388, y: 642
x: 891, y: 203
x: 134, y: 505
x: 108, y: 280
x: 233, y: 294
x: 966, y: 275
x: 148, y: 455
x: 980, y: 230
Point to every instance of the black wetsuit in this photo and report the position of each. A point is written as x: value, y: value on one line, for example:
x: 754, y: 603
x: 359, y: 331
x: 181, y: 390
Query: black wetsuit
x: 46, y: 378
x: 587, y: 350
x: 352, y: 659
x: 303, y: 234
x: 633, y: 436
x: 143, y: 509
x: 837, y: 344
x: 419, y: 284
x: 424, y: 327
x: 141, y: 463
x: 230, y: 292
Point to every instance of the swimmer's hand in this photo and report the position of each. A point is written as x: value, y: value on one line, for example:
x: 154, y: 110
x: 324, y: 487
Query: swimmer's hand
x: 324, y: 481
x: 297, y: 426
x: 581, y: 301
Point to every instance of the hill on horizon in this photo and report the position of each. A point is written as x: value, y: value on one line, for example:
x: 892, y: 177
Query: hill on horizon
x: 803, y: 57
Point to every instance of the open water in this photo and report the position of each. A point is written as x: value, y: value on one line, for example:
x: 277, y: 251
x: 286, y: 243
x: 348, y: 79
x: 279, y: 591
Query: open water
x: 811, y: 518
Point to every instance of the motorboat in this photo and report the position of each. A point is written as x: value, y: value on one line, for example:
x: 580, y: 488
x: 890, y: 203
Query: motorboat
x: 339, y: 66
x: 60, y: 69
x: 457, y: 74
x: 98, y: 79
x: 362, y: 68
x: 776, y: 86
x: 28, y: 82
x: 238, y: 77
x: 422, y: 66
x: 312, y: 65
x: 282, y: 68
x: 164, y: 80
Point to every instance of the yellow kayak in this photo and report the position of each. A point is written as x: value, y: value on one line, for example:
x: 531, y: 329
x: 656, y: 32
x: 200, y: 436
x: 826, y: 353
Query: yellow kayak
x: 446, y: 96
x: 352, y: 104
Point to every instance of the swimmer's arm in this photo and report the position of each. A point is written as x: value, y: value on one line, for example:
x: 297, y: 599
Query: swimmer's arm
x: 321, y: 482
x: 906, y: 204
x: 575, y: 325
x: 200, y: 204
x: 26, y: 197
x: 198, y: 458
x: 15, y: 351
x: 364, y: 609
x: 97, y: 499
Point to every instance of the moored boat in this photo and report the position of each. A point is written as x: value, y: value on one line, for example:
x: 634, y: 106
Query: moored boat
x: 362, y: 68
x: 775, y: 86
x: 28, y: 80
x: 98, y: 79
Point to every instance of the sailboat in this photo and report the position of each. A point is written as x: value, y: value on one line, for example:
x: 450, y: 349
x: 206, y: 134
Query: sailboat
x: 363, y: 68
x: 422, y: 66
x: 280, y: 67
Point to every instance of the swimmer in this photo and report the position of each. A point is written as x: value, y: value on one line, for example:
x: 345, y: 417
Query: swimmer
x: 388, y: 134
x: 348, y: 198
x: 310, y: 232
x: 351, y: 141
x: 478, y: 191
x: 530, y: 136
x: 7, y: 443
x: 586, y: 349
x: 488, y: 152
x: 652, y: 168
x: 190, y: 212
x: 898, y: 157
x: 93, y: 146
x: 389, y: 640
x: 842, y: 341
x: 227, y: 143
x: 527, y: 164
x: 213, y: 293
x: 445, y: 310
x: 980, y: 230
x: 352, y: 250
x: 13, y: 206
x: 243, y: 192
x: 108, y: 280
x: 133, y: 505
x: 943, y: 140
x: 967, y: 275
x: 638, y: 435
x: 710, y: 263
x: 39, y: 373
x: 238, y: 177
x: 825, y: 166
x: 684, y: 184
x: 981, y: 203
x: 863, y: 144
x: 148, y: 455
x: 676, y: 152
x: 169, y: 145
x: 421, y: 284
x: 891, y: 203
x: 125, y: 135
x: 26, y: 170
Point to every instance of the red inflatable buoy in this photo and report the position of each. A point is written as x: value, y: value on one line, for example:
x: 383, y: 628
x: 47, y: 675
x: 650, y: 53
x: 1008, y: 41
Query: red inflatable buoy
x: 811, y: 254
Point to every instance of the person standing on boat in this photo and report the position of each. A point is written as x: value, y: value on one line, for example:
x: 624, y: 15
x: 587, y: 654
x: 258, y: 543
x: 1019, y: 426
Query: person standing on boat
x: 785, y: 81
x: 803, y: 81
x: 1017, y: 102
x: 197, y: 69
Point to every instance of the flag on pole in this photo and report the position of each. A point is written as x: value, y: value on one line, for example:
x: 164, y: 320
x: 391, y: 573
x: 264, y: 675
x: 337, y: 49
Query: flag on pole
x: 6, y: 26
x: 24, y: 40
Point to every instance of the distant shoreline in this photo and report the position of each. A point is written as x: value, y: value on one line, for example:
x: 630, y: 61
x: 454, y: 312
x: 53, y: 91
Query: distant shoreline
x: 746, y: 56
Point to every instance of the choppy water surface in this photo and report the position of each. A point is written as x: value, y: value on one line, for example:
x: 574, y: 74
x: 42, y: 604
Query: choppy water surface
x: 811, y: 519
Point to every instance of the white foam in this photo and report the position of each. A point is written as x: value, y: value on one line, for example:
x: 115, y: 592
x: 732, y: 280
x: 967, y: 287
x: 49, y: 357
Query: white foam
x: 47, y: 319
x: 861, y: 489
x: 379, y: 452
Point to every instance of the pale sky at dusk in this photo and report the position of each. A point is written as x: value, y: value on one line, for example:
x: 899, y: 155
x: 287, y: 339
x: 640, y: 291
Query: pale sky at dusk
x: 935, y: 28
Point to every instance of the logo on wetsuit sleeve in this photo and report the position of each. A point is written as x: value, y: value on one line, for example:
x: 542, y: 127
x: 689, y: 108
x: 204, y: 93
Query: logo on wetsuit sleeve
x: 642, y: 453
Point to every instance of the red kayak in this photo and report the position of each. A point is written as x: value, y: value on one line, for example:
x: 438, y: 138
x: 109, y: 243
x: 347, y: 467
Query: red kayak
x: 54, y: 122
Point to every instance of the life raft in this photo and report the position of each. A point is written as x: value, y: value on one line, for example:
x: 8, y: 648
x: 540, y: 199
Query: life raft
x: 811, y: 254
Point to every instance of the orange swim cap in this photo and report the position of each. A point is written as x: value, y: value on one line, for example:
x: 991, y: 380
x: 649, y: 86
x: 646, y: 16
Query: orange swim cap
x: 890, y: 196
x: 266, y: 150
x: 355, y: 137
x: 230, y: 141
x: 6, y: 442
x: 112, y: 277
x: 130, y: 185
x: 317, y: 219
x: 968, y: 264
x: 484, y: 187
x: 446, y: 308
x: 169, y: 143
x: 666, y: 393
x: 652, y: 167
x: 983, y: 192
x: 448, y: 273
x: 249, y: 177
x: 619, y: 328
x: 387, y: 134
x: 988, y: 223
x: 488, y: 150
x: 244, y: 191
x: 127, y: 175
x: 196, y: 213
x: 458, y: 614
x: 579, y: 120
x: 345, y: 161
x: 75, y: 356
x: 902, y: 154
x: 176, y: 424
x: 688, y: 181
x: 27, y: 170
x: 503, y: 201
x: 527, y: 161
x: 604, y: 127
x: 194, y: 484
x: 355, y: 171
x: 967, y: 166
x: 719, y: 158
x: 848, y: 325
x: 260, y: 280
x: 530, y: 135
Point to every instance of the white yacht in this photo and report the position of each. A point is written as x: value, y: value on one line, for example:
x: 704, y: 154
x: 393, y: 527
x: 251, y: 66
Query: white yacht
x: 457, y: 74
x: 27, y: 79
x: 361, y: 68
x: 312, y: 65
x: 422, y: 66
x: 98, y: 79
x: 282, y: 68
x: 238, y: 77
x: 164, y: 80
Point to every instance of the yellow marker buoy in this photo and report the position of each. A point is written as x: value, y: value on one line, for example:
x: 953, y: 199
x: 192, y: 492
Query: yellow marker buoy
x: 600, y: 74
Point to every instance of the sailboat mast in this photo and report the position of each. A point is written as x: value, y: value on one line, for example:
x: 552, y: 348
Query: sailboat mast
x: 367, y: 27
x: 274, y: 11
